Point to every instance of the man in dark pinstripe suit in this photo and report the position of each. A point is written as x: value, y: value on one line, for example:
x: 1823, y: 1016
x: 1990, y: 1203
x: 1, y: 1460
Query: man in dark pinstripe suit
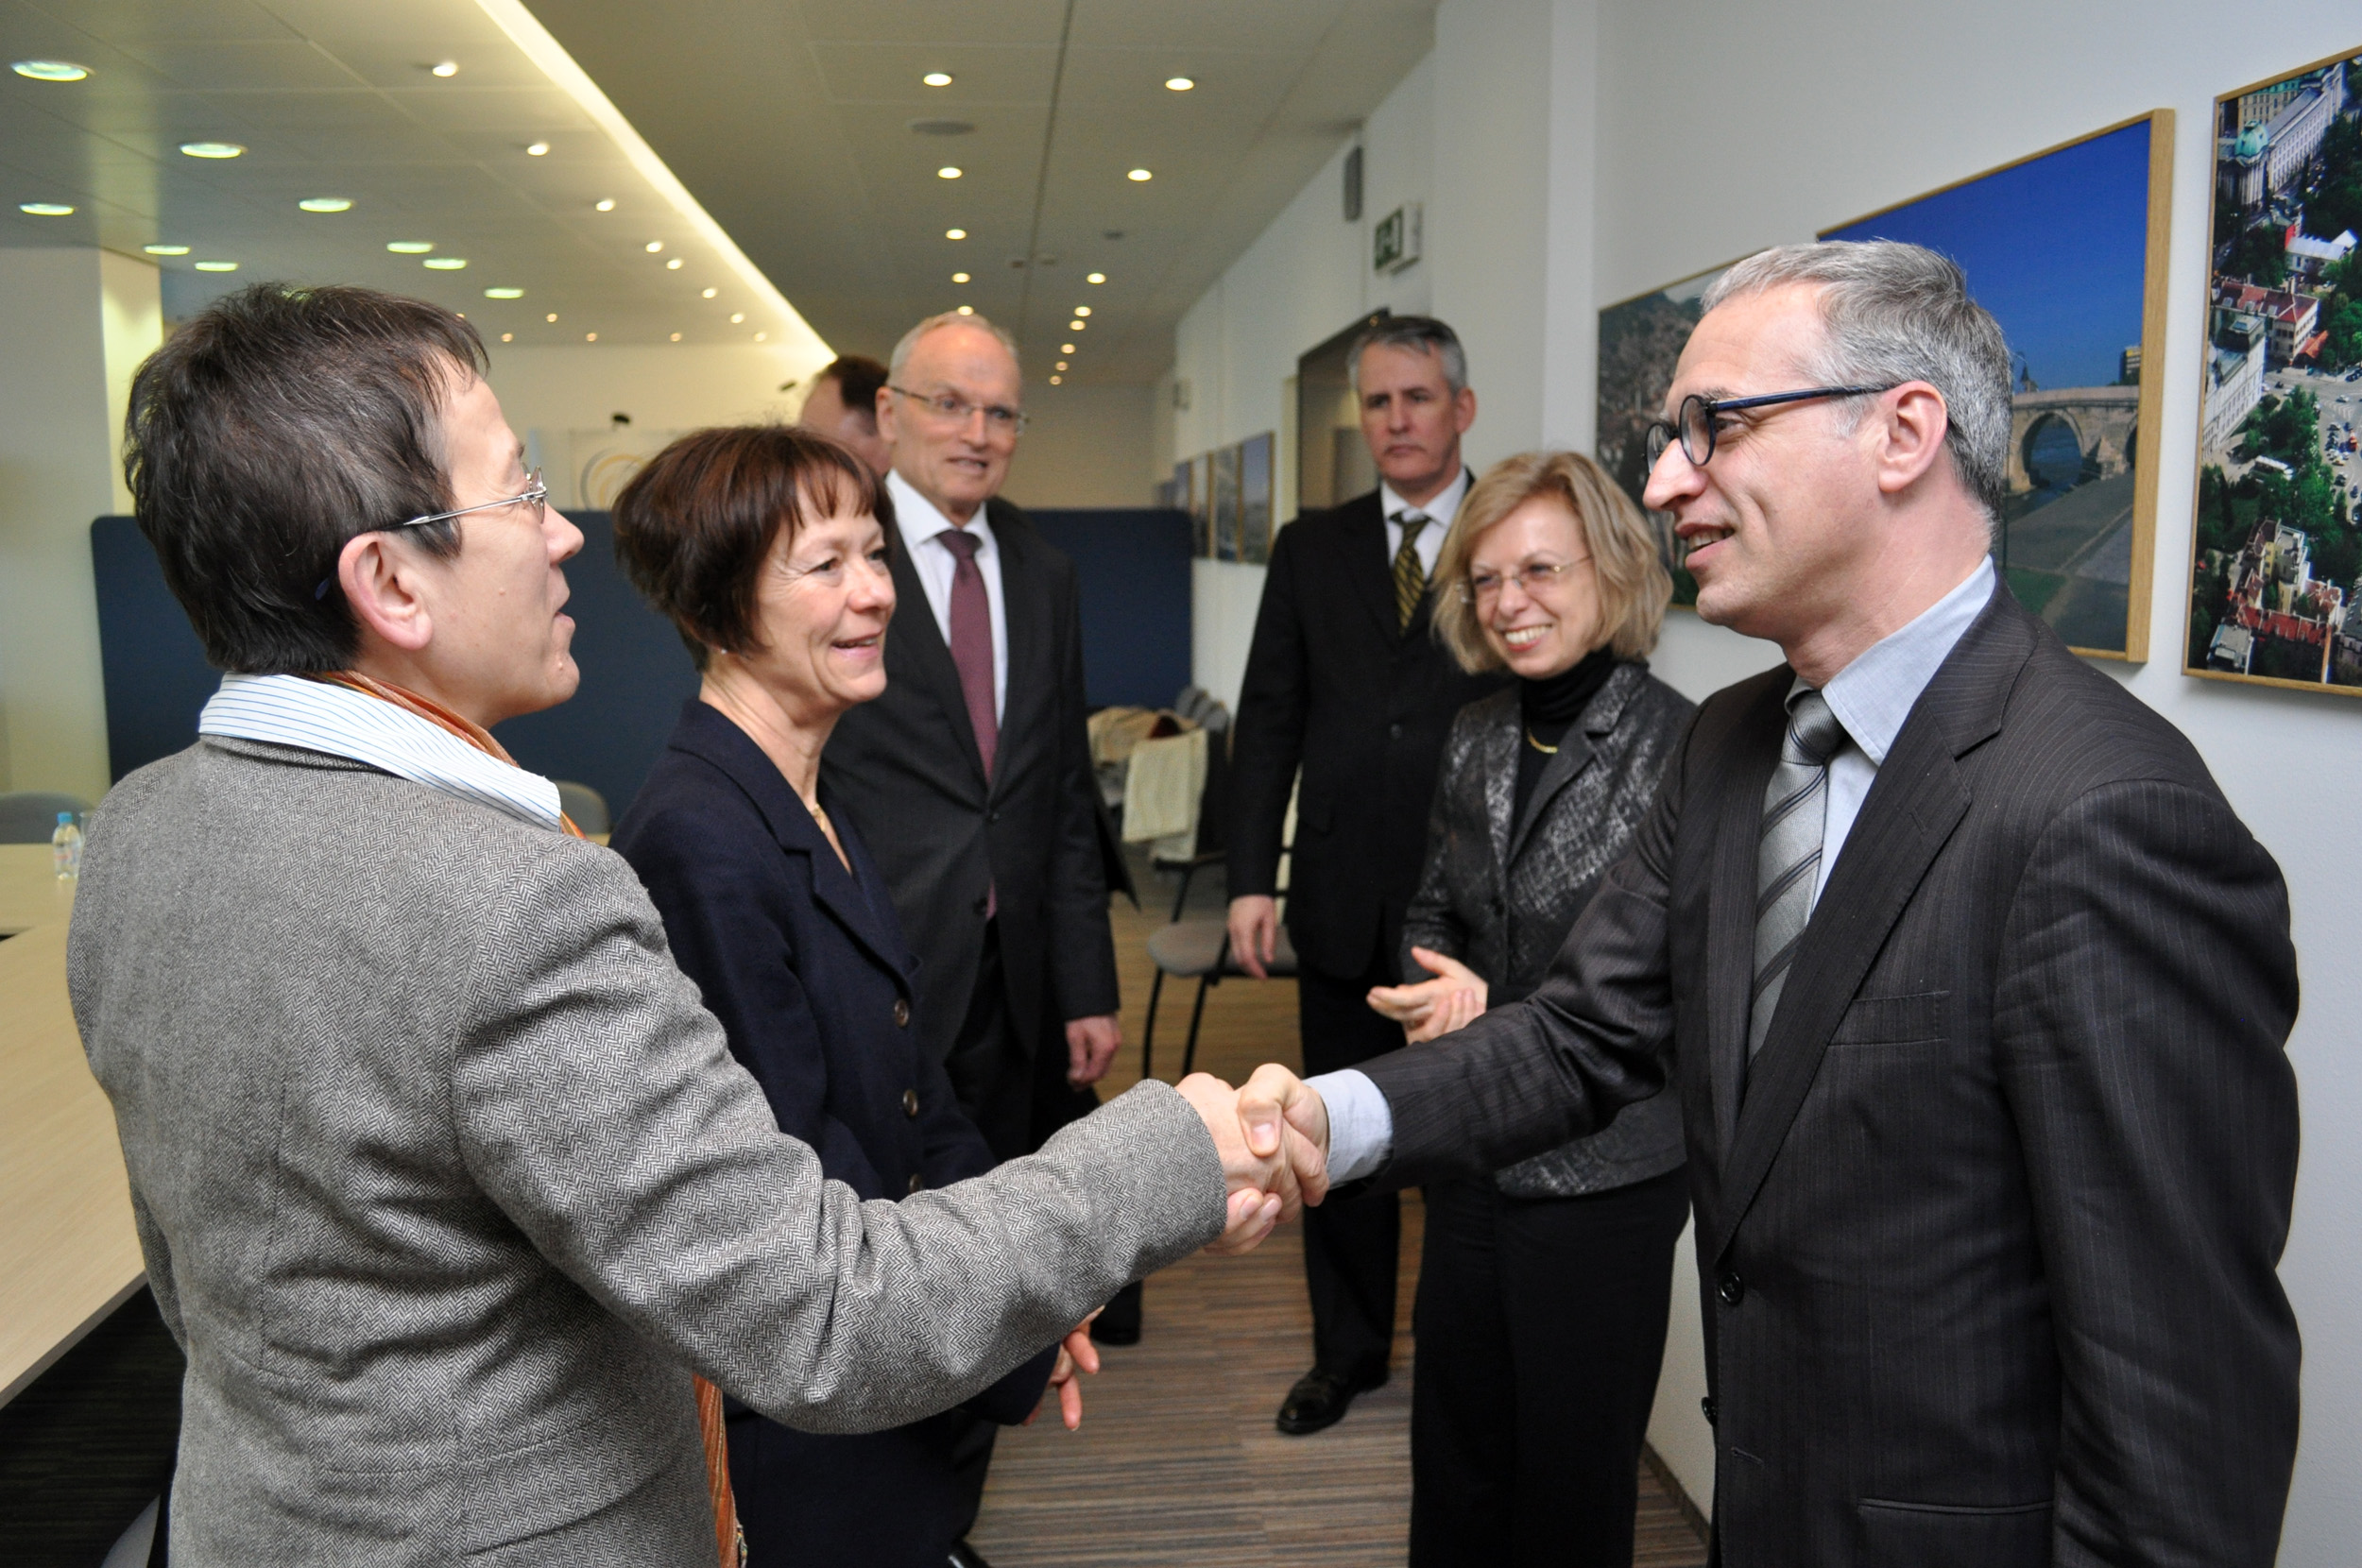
x: 1973, y: 989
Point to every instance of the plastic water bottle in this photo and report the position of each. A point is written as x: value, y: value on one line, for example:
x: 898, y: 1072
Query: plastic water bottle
x: 65, y: 849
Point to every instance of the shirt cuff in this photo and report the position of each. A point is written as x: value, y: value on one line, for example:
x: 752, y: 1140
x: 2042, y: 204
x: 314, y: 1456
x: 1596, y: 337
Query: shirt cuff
x: 1361, y: 1124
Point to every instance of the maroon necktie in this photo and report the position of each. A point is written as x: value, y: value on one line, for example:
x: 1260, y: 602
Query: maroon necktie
x: 971, y: 641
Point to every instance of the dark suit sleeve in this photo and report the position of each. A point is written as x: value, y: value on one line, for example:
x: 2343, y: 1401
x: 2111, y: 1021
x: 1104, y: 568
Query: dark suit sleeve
x: 718, y: 913
x: 1590, y: 1040
x: 1082, y: 942
x: 2146, y: 994
x: 1267, y: 739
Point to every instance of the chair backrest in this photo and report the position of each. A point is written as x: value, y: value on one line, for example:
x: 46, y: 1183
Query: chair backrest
x: 29, y: 816
x: 585, y: 804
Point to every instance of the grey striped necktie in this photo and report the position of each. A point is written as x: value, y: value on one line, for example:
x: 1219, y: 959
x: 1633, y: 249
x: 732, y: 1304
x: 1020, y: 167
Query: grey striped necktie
x: 1788, y: 859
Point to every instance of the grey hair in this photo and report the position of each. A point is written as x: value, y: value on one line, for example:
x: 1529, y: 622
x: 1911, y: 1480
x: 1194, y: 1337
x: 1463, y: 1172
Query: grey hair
x: 1894, y: 313
x: 949, y: 319
x: 1421, y: 334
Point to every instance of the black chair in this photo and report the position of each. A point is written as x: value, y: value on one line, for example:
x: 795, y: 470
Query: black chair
x: 29, y: 816
x: 584, y: 806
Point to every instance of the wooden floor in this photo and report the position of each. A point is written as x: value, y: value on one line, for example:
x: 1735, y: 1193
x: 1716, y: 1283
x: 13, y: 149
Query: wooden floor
x: 1177, y: 1461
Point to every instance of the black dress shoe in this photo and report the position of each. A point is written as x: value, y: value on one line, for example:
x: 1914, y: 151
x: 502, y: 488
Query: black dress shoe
x: 1119, y: 1323
x: 1321, y: 1399
x: 964, y: 1556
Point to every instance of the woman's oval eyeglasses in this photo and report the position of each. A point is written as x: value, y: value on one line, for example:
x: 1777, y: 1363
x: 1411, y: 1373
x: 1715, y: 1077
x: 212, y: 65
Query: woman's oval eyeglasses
x: 1533, y: 579
x: 1694, y: 423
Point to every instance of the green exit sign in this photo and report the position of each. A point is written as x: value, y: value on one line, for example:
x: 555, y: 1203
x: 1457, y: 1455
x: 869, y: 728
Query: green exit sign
x: 1395, y: 242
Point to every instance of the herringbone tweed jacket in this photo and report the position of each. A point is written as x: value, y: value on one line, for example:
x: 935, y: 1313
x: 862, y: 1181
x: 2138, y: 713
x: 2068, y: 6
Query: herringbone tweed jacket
x: 446, y: 1182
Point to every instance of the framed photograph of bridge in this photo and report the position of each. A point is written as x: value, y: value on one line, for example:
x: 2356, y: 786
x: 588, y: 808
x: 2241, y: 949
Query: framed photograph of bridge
x: 2276, y: 546
x: 1640, y: 342
x: 2066, y: 247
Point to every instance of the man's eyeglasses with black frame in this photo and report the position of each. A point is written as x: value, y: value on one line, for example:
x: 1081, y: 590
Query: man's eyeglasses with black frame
x: 1694, y: 423
x: 952, y: 409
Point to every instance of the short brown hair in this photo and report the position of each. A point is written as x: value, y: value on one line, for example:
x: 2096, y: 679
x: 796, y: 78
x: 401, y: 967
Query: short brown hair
x: 695, y: 527
x: 858, y: 380
x: 1634, y: 588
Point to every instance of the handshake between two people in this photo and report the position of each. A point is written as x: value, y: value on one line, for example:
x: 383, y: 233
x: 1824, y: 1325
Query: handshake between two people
x: 1273, y: 1136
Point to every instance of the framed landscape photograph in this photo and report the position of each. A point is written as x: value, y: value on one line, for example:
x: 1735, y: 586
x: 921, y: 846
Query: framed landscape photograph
x: 1254, y: 499
x: 1201, y: 503
x: 2066, y: 248
x: 1226, y: 506
x: 2275, y: 552
x: 1640, y: 342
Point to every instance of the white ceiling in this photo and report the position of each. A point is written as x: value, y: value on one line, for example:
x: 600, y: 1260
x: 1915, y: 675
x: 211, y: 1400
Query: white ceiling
x: 335, y: 98
x: 787, y: 121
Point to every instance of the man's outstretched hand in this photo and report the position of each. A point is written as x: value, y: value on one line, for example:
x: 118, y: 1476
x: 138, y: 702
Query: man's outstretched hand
x: 1280, y: 1110
x: 1270, y: 1167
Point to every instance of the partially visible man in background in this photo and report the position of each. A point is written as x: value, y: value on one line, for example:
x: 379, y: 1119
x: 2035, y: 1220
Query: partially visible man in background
x: 1344, y: 677
x: 971, y: 776
x: 843, y: 405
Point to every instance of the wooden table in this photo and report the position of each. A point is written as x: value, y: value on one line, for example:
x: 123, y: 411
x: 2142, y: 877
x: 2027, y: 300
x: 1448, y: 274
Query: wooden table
x: 68, y: 1254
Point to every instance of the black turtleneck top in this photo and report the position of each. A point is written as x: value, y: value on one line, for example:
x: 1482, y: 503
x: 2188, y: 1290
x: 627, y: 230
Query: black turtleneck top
x: 1550, y: 708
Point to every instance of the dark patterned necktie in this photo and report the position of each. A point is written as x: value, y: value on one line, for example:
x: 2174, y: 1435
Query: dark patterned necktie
x: 1787, y: 857
x: 971, y: 641
x: 1410, y: 575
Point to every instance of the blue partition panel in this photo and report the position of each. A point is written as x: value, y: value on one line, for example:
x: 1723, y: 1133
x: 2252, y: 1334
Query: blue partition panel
x: 1134, y: 566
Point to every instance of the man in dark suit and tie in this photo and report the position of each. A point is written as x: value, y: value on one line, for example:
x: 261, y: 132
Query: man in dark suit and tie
x: 1344, y: 679
x: 1973, y: 989
x: 970, y: 779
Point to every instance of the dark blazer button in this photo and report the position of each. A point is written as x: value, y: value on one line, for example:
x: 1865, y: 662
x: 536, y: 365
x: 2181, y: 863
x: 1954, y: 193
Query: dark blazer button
x: 992, y: 816
x: 1707, y: 1404
x: 1730, y: 1288
x: 901, y: 1012
x: 918, y: 1181
x: 1393, y: 732
x: 910, y: 1102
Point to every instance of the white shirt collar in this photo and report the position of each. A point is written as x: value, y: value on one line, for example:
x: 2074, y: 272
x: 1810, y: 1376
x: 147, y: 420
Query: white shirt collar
x: 919, y: 520
x: 290, y: 710
x: 1443, y: 506
x: 1873, y: 695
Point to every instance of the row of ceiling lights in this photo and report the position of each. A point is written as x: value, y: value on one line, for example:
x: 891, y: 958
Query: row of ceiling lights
x: 1079, y: 322
x: 67, y: 71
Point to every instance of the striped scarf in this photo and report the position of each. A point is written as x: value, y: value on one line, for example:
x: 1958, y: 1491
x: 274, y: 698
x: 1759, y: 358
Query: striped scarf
x: 729, y: 1542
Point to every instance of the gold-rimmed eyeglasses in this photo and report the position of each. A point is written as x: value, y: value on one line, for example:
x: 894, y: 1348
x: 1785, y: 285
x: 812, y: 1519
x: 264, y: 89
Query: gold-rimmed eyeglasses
x: 1535, y: 578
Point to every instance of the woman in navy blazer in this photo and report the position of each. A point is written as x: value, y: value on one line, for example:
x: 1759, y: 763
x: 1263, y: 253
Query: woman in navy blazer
x: 765, y: 547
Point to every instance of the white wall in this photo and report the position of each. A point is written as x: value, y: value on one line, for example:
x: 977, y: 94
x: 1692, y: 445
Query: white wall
x: 1087, y: 446
x: 74, y: 323
x: 1662, y: 140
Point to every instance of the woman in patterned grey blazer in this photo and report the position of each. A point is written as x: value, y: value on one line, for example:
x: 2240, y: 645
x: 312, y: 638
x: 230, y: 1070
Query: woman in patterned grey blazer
x: 1543, y: 1289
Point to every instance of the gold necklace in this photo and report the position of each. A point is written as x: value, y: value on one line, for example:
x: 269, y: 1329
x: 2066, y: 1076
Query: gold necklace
x: 1546, y: 751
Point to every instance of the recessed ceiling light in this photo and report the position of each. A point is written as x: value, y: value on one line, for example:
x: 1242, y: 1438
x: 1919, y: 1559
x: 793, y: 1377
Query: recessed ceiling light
x: 410, y: 247
x: 1081, y: 310
x: 1066, y: 347
x: 590, y: 337
x: 504, y: 294
x: 212, y: 149
x: 672, y: 266
x: 552, y: 317
x: 538, y: 149
x: 654, y: 246
x: 1053, y: 381
x: 968, y: 310
x: 947, y: 172
x: 165, y: 249
x: 761, y: 337
x: 50, y: 70
x: 326, y: 204
x: 1062, y: 364
x: 446, y: 68
x: 604, y: 204
x: 938, y: 79
x: 710, y: 293
x: 1178, y: 84
x: 737, y: 317
x: 956, y: 277
x: 1139, y: 174
x: 955, y: 233
x: 676, y: 337
x: 217, y: 266
x: 508, y: 337
x: 1096, y: 278
x: 45, y: 209
x: 1076, y: 326
x: 445, y: 264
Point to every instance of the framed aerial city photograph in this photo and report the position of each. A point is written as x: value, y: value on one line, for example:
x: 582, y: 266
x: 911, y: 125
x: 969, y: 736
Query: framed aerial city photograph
x: 2066, y: 247
x: 1254, y: 499
x: 2275, y: 551
x: 1640, y: 343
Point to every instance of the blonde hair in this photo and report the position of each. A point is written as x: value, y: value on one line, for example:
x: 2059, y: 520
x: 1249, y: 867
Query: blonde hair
x: 1634, y: 586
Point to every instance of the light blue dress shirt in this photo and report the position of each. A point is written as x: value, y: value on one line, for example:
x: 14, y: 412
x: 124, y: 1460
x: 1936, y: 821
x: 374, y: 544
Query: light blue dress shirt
x: 1871, y: 697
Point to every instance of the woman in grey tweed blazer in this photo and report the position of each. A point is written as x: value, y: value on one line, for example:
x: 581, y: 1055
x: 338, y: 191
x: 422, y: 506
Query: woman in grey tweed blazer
x: 1543, y: 1289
